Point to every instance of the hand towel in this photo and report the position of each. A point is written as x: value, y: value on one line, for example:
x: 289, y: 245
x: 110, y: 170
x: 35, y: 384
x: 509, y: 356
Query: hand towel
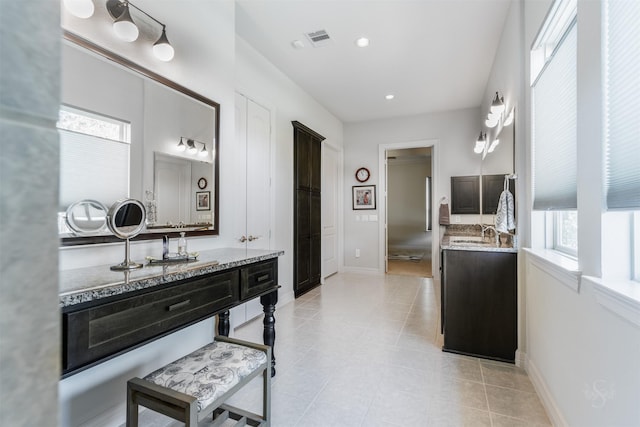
x: 505, y: 214
x: 444, y: 214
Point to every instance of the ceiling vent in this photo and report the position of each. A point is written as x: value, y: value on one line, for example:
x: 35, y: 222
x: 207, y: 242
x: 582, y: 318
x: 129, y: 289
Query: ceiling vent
x: 319, y: 38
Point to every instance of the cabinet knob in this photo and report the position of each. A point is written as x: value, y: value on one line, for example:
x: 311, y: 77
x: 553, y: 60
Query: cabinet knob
x: 252, y: 238
x: 244, y: 239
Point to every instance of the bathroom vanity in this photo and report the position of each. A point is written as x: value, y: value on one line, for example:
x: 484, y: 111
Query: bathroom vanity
x: 106, y: 313
x: 479, y: 298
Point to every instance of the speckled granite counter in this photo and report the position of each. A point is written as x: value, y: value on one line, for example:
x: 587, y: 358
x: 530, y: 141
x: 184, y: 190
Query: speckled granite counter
x: 92, y: 283
x: 487, y: 245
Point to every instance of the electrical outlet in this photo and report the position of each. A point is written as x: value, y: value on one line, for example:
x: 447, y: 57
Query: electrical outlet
x: 456, y: 219
x: 357, y: 253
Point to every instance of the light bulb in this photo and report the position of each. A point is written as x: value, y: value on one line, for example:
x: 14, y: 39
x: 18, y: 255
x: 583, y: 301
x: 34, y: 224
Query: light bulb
x: 491, y: 122
x: 497, y: 106
x: 493, y: 146
x: 203, y: 152
x: 162, y: 49
x: 124, y: 27
x: 479, y: 148
x: 80, y: 8
x: 181, y: 146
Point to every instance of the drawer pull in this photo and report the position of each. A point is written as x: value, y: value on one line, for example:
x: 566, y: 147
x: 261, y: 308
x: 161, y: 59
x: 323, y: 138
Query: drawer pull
x: 263, y: 278
x: 179, y: 305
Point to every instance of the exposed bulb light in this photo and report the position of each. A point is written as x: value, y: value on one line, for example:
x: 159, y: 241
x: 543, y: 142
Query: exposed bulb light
x: 480, y: 143
x: 389, y: 97
x: 162, y: 49
x: 80, y: 8
x: 493, y: 145
x: 203, y: 152
x: 491, y: 122
x: 124, y: 27
x: 181, y: 146
x: 497, y: 106
x: 362, y: 42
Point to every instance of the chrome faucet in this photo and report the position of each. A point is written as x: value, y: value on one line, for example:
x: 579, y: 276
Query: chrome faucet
x: 495, y: 232
x: 165, y: 247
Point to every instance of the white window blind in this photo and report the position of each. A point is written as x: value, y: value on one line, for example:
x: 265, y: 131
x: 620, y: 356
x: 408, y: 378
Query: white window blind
x: 622, y: 103
x: 554, y: 129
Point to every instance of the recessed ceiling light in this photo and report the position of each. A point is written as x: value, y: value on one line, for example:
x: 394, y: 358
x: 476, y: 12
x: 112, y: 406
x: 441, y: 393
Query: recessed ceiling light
x: 298, y: 44
x: 362, y: 42
x: 389, y: 97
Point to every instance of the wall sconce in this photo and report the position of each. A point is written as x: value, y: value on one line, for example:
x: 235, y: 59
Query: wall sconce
x: 123, y: 24
x: 191, y: 146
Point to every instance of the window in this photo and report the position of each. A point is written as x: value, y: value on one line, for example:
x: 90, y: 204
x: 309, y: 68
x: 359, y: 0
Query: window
x: 94, y: 157
x: 554, y: 130
x: 565, y: 235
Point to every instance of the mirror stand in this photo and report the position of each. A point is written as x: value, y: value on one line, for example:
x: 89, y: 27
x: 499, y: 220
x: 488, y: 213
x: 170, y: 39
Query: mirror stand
x: 127, y: 264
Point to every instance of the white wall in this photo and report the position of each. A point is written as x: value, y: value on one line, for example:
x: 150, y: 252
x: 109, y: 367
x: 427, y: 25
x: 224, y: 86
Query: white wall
x: 456, y: 132
x: 583, y: 358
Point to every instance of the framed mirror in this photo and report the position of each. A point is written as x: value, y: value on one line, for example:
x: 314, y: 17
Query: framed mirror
x: 118, y: 123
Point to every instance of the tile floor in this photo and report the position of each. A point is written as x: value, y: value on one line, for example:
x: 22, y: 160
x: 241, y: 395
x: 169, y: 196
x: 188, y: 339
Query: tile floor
x: 364, y: 350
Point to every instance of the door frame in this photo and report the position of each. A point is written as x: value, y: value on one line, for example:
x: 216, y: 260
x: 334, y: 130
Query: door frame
x: 327, y: 145
x: 382, y: 192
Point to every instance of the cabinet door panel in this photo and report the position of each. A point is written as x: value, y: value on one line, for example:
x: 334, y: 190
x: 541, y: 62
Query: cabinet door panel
x: 302, y: 151
x: 465, y: 194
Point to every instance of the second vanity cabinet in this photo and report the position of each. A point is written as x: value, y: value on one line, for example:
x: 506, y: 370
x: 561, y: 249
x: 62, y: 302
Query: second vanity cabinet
x: 479, y: 303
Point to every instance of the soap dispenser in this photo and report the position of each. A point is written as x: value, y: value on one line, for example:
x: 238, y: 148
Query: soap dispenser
x: 182, y: 244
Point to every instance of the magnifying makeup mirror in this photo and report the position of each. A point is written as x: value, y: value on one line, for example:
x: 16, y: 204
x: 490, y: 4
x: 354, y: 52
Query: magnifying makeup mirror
x: 126, y: 219
x: 86, y: 217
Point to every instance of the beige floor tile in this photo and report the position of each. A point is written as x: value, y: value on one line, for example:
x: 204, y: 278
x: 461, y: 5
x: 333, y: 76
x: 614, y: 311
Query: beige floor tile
x: 506, y: 376
x: 504, y: 421
x: 463, y: 393
x: 516, y: 404
x: 443, y: 414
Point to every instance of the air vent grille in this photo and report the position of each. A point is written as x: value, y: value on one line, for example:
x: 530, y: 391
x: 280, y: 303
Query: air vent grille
x: 318, y: 38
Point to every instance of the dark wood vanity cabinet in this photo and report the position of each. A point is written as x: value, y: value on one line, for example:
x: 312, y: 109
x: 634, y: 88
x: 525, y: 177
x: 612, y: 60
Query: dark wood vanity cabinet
x: 492, y: 187
x: 479, y: 303
x: 307, y: 262
x: 465, y: 194
x: 98, y: 330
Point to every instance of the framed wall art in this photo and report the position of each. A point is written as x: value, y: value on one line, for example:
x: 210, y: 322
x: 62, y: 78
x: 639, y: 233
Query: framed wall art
x: 364, y: 197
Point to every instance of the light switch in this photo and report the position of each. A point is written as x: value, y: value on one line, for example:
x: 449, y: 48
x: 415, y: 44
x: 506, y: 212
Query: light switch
x: 357, y: 218
x: 373, y: 218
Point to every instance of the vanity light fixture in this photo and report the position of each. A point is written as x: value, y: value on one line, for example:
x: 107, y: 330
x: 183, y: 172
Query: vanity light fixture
x: 80, y: 8
x: 127, y: 30
x: 191, y: 146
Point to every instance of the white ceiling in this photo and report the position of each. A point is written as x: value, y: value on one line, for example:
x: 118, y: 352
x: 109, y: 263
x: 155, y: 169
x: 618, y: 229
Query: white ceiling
x: 433, y: 55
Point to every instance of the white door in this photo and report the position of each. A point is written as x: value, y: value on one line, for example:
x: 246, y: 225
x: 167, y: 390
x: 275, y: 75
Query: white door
x: 252, y: 218
x: 172, y: 178
x: 330, y: 212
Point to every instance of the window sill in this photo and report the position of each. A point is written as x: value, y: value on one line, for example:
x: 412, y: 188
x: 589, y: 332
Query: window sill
x: 561, y: 267
x: 621, y: 297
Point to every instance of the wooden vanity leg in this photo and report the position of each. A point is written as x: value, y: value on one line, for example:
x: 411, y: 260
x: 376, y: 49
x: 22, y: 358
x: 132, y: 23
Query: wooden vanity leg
x: 269, y: 302
x: 223, y: 323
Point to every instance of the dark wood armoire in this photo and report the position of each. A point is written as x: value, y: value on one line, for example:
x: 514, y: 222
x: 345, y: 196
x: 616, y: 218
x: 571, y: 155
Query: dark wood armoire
x: 307, y: 182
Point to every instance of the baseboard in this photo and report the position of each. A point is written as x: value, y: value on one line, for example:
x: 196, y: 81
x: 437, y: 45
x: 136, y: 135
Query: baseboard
x: 520, y: 359
x: 543, y: 392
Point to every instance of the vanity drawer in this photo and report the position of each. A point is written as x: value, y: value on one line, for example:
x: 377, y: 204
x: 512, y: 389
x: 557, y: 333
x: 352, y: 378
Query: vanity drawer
x: 257, y: 278
x: 99, y: 332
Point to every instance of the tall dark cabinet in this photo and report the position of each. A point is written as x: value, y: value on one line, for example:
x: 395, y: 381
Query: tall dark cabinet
x: 307, y: 182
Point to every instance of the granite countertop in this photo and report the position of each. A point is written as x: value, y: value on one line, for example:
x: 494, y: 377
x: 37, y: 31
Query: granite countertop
x: 468, y: 243
x: 92, y: 283
x: 467, y: 237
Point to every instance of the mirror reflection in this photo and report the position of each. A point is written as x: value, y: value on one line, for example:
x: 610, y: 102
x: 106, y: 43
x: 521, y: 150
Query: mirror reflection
x: 122, y: 129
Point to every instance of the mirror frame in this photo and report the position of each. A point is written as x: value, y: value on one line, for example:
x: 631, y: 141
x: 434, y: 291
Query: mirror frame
x: 87, y: 240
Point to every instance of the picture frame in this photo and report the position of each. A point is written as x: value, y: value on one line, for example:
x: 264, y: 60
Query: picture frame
x: 203, y: 200
x: 364, y: 197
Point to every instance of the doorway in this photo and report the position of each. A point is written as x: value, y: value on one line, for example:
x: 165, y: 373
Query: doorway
x: 408, y: 187
x: 409, y: 203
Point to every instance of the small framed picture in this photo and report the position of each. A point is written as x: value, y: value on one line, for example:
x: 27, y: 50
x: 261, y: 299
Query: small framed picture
x: 203, y: 200
x: 364, y: 197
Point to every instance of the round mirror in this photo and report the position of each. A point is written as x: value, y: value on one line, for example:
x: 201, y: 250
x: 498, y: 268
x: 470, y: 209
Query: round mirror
x: 86, y: 217
x: 126, y: 218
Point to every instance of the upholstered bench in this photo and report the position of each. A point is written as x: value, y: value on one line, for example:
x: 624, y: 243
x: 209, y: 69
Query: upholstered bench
x: 198, y: 384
